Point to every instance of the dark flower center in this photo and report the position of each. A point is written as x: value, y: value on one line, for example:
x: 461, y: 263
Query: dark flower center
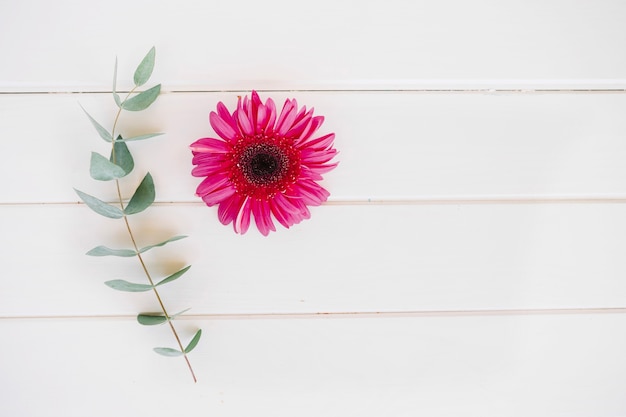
x: 263, y: 164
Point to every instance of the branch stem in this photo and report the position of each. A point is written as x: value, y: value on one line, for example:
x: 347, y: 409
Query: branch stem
x: 136, y: 248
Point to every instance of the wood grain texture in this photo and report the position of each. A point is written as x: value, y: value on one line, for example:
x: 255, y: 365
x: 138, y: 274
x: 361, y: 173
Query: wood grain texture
x: 393, y: 146
x: 469, y: 262
x: 345, y: 259
x: 473, y: 366
x: 329, y: 44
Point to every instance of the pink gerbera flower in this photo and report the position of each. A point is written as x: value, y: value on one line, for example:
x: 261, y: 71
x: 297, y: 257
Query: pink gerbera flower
x: 264, y: 164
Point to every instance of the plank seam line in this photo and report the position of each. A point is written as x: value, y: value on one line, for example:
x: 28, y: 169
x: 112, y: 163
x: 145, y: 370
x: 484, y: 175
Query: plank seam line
x: 363, y: 90
x: 350, y: 315
x: 391, y: 201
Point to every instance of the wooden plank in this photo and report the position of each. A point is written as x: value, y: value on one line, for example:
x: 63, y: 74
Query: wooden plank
x: 438, y: 366
x: 345, y: 259
x: 326, y: 45
x: 392, y: 145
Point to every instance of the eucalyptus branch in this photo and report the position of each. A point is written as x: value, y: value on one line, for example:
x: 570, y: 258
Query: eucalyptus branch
x: 119, y: 165
x: 140, y: 257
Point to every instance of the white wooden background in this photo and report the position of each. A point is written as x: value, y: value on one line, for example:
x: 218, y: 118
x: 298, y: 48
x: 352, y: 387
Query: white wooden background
x: 470, y: 261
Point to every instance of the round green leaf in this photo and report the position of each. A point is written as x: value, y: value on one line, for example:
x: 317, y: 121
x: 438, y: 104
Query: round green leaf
x: 104, y: 134
x: 167, y: 351
x: 143, y: 197
x: 105, y: 251
x: 172, y: 239
x: 144, y: 70
x: 121, y: 285
x: 142, y: 100
x: 194, y: 341
x: 100, y: 206
x: 102, y: 169
x: 151, y: 319
x: 120, y: 155
x: 174, y: 276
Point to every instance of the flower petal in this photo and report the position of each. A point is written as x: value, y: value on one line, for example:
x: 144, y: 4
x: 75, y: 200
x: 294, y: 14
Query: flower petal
x: 221, y: 127
x: 309, y: 156
x: 244, y: 122
x: 212, y: 183
x: 206, y: 170
x: 223, y: 112
x: 262, y: 217
x: 271, y: 110
x: 249, y: 111
x: 262, y: 117
x: 229, y: 208
x: 304, y: 212
x: 286, y: 213
x: 316, y: 122
x: 321, y: 168
x: 209, y: 145
x: 218, y: 195
x: 242, y: 221
x: 287, y: 117
x: 203, y: 158
x: 310, y: 192
x: 320, y: 143
x: 300, y: 124
x: 308, y: 173
x: 256, y: 100
x: 300, y: 115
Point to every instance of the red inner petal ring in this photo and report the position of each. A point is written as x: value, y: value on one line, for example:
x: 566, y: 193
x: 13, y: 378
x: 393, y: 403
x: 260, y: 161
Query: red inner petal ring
x: 265, y: 166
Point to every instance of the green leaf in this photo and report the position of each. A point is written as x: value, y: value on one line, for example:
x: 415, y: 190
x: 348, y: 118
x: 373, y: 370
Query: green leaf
x: 144, y: 70
x: 194, y: 341
x: 121, y: 285
x: 167, y: 351
x: 100, y: 206
x: 151, y: 319
x: 102, y: 169
x: 141, y: 137
x: 173, y: 316
x: 104, y: 134
x: 172, y: 239
x: 143, y: 197
x: 120, y: 156
x: 142, y: 100
x: 173, y: 277
x: 104, y: 251
x: 117, y: 99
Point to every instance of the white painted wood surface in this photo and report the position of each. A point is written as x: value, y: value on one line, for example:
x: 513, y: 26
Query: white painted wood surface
x: 470, y: 259
x: 279, y: 44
